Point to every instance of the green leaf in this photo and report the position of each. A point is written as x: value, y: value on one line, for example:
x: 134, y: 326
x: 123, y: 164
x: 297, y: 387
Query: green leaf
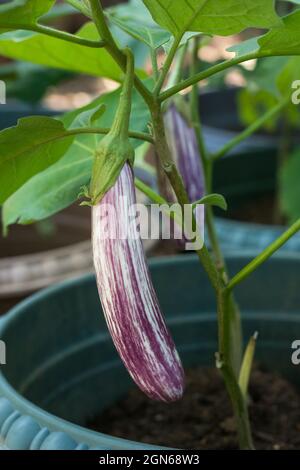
x: 136, y: 21
x: 284, y: 40
x: 59, y: 185
x: 213, y: 200
x: 289, y: 73
x: 252, y: 105
x: 271, y: 80
x: 290, y: 187
x: 281, y: 40
x: 53, y: 52
x: 212, y: 16
x: 247, y: 364
x: 27, y: 149
x: 18, y: 13
x: 265, y: 74
x: 49, y: 191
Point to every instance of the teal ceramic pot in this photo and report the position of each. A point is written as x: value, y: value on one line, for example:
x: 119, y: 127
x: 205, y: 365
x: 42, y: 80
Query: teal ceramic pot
x: 62, y: 367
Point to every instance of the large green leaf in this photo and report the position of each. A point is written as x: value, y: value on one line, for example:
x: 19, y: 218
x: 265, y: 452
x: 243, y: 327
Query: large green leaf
x: 135, y: 20
x: 53, y: 52
x: 281, y: 40
x: 59, y: 185
x: 212, y: 16
x: 267, y: 84
x: 27, y: 149
x: 284, y: 40
x: 18, y: 13
x: 49, y: 191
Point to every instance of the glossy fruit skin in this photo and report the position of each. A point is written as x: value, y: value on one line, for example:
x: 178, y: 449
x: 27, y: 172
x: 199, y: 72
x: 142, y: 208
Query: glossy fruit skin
x: 128, y: 298
x: 183, y: 144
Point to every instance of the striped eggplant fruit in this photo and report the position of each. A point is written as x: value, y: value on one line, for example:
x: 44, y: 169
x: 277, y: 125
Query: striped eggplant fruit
x: 128, y: 298
x: 185, y: 153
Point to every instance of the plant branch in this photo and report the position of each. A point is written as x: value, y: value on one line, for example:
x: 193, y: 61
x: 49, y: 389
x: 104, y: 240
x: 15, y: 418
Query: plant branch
x: 105, y: 130
x: 250, y: 130
x: 206, y: 162
x: 176, y: 74
x: 264, y: 256
x: 149, y: 192
x: 176, y: 182
x: 224, y: 298
x: 154, y: 63
x: 206, y: 74
x: 56, y: 33
x: 113, y: 49
x: 94, y: 130
x: 167, y: 65
x: 194, y: 105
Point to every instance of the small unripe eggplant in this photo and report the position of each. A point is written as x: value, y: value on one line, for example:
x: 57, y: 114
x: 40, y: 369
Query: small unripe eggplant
x: 183, y: 144
x: 128, y: 298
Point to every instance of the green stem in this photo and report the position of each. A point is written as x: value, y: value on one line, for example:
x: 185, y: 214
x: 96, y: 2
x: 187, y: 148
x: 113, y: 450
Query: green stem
x: 194, y: 105
x: 120, y: 126
x: 264, y: 256
x: 207, y: 164
x: 157, y: 199
x: 105, y: 130
x: 206, y: 74
x: 113, y: 49
x: 251, y: 129
x: 55, y: 33
x: 215, y: 245
x: 176, y: 74
x: 239, y: 405
x: 95, y: 130
x: 152, y: 195
x: 176, y: 182
x: 226, y: 364
x: 167, y: 65
x: 154, y: 63
x: 224, y: 299
x: 217, y: 69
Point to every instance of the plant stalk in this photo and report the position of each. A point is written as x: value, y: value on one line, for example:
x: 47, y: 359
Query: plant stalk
x: 113, y: 49
x: 264, y: 256
x: 235, y: 339
x: 56, y: 33
x: 206, y: 74
x: 167, y: 65
x: 224, y: 300
x: 250, y: 130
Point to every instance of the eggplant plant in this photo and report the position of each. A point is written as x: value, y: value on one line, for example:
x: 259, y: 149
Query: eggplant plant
x: 45, y: 162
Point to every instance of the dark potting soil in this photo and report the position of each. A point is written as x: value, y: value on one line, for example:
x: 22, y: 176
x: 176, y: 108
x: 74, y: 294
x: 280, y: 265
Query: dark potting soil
x: 203, y: 418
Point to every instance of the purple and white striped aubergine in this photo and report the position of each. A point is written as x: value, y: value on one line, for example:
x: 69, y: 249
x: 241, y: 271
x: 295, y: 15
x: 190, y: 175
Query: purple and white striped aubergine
x: 129, y: 301
x: 185, y: 153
